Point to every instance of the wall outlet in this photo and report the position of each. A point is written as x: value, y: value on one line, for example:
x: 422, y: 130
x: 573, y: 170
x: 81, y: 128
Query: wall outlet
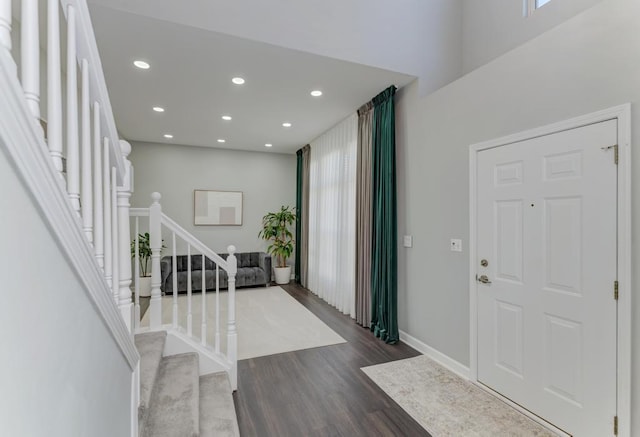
x: 456, y: 245
x: 408, y: 241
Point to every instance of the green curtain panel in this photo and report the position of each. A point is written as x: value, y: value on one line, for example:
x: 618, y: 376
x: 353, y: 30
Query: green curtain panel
x: 299, y: 177
x: 302, y: 214
x: 304, y: 233
x: 384, y: 236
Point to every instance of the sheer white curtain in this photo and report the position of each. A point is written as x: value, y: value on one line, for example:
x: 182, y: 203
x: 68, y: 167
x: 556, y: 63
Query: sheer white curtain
x: 332, y: 201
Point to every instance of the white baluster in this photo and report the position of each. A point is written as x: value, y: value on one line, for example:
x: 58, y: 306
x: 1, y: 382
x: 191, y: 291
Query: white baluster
x: 189, y: 314
x: 203, y: 325
x: 217, y: 308
x: 232, y: 335
x: 86, y: 193
x: 30, y: 55
x: 114, y: 237
x: 5, y: 24
x: 155, y: 234
x: 174, y: 277
x: 54, y: 85
x: 106, y: 197
x: 73, y: 148
x: 124, y: 234
x: 136, y: 273
x: 98, y: 217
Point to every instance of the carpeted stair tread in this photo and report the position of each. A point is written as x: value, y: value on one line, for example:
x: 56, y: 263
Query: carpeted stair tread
x: 150, y: 346
x: 174, y: 406
x: 217, y: 412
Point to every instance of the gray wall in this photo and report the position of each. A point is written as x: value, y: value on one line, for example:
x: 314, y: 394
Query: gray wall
x: 493, y: 27
x: 586, y: 64
x: 268, y: 180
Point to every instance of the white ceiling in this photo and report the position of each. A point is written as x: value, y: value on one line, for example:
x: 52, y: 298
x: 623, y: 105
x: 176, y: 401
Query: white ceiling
x: 190, y: 76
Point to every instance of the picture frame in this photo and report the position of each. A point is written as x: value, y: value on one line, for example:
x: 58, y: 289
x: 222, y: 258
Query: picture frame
x: 217, y: 208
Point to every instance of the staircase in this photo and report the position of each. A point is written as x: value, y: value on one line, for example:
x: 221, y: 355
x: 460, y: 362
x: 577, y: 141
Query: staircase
x: 75, y: 172
x: 175, y: 400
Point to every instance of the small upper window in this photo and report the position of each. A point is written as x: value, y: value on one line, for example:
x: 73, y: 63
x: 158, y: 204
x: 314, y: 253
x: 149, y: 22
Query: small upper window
x: 532, y: 5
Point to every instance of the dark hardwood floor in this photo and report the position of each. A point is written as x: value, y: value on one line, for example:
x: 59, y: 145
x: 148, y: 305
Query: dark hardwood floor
x: 322, y: 391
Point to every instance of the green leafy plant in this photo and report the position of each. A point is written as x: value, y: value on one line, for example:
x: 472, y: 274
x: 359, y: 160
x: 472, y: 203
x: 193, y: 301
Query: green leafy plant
x: 275, y: 228
x: 144, y: 252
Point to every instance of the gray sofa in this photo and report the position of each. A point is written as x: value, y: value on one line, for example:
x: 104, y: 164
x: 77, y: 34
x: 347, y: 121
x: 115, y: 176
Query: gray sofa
x: 254, y: 269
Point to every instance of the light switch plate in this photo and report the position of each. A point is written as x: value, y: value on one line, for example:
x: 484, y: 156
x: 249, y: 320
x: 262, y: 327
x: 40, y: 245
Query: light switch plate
x: 456, y: 245
x: 408, y: 241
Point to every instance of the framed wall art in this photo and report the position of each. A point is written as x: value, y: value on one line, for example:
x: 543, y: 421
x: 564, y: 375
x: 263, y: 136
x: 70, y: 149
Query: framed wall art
x: 217, y: 208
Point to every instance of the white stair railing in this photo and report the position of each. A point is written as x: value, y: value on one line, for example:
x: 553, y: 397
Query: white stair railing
x: 97, y: 176
x: 192, y: 249
x: 85, y: 202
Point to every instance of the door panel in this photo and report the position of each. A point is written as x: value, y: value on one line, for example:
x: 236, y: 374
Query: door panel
x: 508, y: 334
x: 509, y: 240
x: 564, y: 358
x: 563, y: 248
x: 546, y: 222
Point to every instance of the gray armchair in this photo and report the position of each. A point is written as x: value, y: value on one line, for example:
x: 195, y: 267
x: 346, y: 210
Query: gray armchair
x: 254, y: 269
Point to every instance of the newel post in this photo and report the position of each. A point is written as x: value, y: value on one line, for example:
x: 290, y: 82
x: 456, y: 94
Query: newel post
x: 155, y: 241
x: 232, y: 334
x: 124, y: 237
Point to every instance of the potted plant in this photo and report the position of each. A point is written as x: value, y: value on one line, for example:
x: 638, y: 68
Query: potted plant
x: 275, y: 228
x: 144, y: 255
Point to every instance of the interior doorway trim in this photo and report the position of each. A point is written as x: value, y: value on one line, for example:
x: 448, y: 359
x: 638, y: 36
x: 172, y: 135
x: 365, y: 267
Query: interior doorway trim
x: 623, y: 115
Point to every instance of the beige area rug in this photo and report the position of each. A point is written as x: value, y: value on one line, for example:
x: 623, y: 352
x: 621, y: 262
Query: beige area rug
x: 446, y: 404
x: 269, y: 321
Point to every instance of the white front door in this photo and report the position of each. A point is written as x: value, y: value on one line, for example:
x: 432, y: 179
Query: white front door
x: 546, y: 226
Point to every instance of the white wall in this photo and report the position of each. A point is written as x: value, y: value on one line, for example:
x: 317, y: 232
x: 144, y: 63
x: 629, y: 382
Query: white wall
x: 586, y: 64
x: 268, y: 180
x: 493, y: 27
x: 61, y: 372
x: 417, y: 37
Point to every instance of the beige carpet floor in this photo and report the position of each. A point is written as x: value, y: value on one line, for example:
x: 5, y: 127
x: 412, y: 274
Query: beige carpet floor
x: 269, y: 321
x: 446, y: 404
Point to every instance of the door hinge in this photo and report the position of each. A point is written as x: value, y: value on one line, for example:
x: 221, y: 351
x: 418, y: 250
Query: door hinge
x: 615, y: 152
x: 615, y: 290
x: 615, y: 425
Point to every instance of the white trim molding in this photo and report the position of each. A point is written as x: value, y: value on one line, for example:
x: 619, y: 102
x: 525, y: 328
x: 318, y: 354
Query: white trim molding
x: 437, y: 356
x: 28, y: 154
x: 622, y: 114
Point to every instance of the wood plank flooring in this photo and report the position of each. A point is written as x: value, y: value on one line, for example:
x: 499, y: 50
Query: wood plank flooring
x: 322, y: 391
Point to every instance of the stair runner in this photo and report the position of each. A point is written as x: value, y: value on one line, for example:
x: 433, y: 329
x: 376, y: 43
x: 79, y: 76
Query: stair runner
x: 175, y: 401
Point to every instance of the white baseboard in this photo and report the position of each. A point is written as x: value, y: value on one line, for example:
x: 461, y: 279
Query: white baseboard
x: 437, y: 356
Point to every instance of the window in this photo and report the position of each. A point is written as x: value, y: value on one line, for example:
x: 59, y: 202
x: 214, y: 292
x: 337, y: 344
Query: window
x: 531, y: 5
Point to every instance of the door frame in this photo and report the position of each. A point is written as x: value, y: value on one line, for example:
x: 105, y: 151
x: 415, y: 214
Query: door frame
x: 622, y: 114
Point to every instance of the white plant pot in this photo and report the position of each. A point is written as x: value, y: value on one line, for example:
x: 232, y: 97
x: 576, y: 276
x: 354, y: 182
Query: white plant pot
x: 283, y: 274
x: 145, y: 286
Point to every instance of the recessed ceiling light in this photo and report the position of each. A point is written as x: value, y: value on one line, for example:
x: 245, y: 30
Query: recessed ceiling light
x: 286, y: 124
x: 316, y: 93
x: 220, y: 140
x: 141, y: 64
x: 268, y: 145
x: 158, y: 109
x: 237, y: 80
x: 226, y: 117
x: 168, y: 136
